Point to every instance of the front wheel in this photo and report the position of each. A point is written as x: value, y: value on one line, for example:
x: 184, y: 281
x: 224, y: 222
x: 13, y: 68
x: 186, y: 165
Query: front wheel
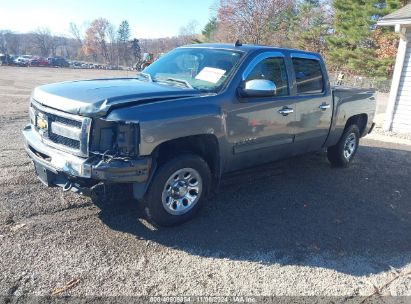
x: 178, y: 190
x: 344, y: 151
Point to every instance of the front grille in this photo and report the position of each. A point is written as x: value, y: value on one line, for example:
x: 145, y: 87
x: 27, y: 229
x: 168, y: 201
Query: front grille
x: 61, y: 140
x: 61, y: 130
x: 65, y: 121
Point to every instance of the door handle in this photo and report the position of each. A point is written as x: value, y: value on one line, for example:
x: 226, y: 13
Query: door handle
x: 285, y: 111
x: 325, y: 107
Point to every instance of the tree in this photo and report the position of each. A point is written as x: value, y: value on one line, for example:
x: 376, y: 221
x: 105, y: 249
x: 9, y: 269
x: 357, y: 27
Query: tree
x: 312, y: 24
x: 210, y: 29
x: 135, y: 46
x: 254, y: 21
x: 4, y: 41
x: 63, y: 46
x: 95, y: 42
x: 315, y: 3
x: 112, y: 47
x: 123, y: 40
x: 189, y: 32
x: 78, y: 36
x: 75, y: 32
x: 13, y: 43
x: 352, y: 46
x: 44, y: 41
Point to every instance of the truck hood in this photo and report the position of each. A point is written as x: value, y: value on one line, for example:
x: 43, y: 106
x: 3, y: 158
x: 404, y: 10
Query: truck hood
x: 96, y: 97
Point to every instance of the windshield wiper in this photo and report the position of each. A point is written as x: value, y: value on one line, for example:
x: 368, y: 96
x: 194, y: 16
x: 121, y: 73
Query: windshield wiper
x: 179, y: 81
x: 146, y: 76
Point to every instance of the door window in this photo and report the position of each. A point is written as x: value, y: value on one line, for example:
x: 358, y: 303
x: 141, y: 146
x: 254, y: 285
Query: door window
x: 273, y: 69
x: 308, y: 75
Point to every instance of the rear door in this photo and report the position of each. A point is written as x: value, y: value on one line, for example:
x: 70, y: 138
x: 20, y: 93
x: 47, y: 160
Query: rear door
x: 313, y: 102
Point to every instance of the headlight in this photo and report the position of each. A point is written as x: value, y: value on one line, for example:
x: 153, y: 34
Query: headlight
x: 127, y: 139
x: 106, y: 139
x: 115, y: 138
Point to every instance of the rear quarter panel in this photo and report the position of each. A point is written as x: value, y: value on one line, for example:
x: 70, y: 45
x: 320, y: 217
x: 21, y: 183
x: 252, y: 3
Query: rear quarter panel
x: 349, y: 102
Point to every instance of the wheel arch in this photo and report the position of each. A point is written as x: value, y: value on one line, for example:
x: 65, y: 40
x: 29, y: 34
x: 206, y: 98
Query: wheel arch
x: 360, y: 120
x: 204, y: 145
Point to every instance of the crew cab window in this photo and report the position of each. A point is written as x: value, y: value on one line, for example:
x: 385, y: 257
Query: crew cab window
x: 273, y: 69
x: 309, y: 76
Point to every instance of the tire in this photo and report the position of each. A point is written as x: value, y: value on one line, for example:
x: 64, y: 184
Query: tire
x: 177, y: 191
x: 342, y: 154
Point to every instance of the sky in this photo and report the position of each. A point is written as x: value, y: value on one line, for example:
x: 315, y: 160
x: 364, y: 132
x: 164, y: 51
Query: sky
x: 147, y: 18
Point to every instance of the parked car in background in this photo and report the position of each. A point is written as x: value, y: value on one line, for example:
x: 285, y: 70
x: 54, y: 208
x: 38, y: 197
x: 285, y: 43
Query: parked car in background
x: 195, y: 114
x: 6, y: 59
x: 75, y: 64
x: 22, y: 60
x: 58, y: 62
x: 38, y: 61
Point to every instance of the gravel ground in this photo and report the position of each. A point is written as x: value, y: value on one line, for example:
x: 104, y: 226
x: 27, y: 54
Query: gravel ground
x: 406, y: 136
x: 297, y: 227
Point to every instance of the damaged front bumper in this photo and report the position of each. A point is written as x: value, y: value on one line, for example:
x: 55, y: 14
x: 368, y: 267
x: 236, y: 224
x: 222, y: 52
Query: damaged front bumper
x: 58, y: 168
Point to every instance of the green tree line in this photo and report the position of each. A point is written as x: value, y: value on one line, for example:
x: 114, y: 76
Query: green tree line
x: 343, y: 31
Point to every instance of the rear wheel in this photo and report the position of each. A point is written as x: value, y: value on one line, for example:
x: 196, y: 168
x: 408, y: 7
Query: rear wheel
x: 178, y: 190
x: 344, y: 151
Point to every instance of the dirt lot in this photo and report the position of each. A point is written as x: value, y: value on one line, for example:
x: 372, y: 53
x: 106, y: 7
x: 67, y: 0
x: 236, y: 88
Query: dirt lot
x: 298, y: 227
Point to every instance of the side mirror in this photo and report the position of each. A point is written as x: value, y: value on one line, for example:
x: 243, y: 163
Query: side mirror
x: 258, y: 88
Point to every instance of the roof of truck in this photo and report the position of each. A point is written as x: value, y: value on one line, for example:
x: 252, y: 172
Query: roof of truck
x: 247, y: 48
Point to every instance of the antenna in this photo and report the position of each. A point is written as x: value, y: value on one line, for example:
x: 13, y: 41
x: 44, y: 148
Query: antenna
x: 238, y: 43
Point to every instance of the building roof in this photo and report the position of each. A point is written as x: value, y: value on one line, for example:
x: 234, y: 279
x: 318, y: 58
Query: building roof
x: 401, y: 16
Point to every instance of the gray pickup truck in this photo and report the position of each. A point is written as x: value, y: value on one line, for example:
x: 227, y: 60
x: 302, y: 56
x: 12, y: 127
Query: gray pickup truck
x: 198, y: 112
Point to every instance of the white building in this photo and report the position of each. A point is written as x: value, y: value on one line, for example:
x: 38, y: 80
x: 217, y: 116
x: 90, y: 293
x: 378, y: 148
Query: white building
x: 398, y: 115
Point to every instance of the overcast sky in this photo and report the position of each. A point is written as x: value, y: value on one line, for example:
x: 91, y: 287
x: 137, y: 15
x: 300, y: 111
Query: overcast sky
x: 147, y: 18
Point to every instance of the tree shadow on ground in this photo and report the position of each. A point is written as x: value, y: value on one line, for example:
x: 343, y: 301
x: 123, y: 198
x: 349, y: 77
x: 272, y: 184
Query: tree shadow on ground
x: 296, y: 212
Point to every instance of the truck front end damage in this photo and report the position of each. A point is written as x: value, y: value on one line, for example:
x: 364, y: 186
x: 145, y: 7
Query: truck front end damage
x: 77, y: 152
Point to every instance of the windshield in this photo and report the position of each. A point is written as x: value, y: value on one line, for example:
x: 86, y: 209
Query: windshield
x: 196, y: 68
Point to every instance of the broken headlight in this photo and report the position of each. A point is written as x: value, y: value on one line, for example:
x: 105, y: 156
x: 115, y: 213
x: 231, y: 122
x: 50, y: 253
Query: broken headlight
x: 127, y: 139
x: 106, y: 139
x: 116, y: 138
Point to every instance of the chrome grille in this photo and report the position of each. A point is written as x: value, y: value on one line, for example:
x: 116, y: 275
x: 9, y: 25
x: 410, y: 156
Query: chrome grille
x: 58, y: 139
x: 66, y: 132
x: 69, y: 122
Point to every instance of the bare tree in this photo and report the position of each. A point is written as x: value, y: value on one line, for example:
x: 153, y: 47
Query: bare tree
x: 3, y: 41
x: 43, y: 41
x: 112, y: 42
x: 251, y: 21
x: 190, y: 31
x: 63, y: 46
x: 13, y: 42
x: 75, y: 32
